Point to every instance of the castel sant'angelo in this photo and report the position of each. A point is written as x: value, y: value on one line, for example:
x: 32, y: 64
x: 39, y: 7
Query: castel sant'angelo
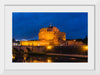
x: 47, y: 36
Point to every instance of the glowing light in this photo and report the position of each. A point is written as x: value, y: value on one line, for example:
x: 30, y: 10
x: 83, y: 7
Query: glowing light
x: 85, y: 48
x: 35, y: 61
x: 74, y: 40
x: 24, y: 58
x: 13, y: 57
x: 49, y: 47
x: 64, y: 39
x: 73, y: 58
x: 49, y: 61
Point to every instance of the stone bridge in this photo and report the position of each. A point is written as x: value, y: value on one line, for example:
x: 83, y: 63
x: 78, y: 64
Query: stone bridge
x: 30, y: 48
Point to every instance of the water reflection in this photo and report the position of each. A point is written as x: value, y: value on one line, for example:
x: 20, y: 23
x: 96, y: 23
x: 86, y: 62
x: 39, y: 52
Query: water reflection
x: 42, y: 58
x: 25, y: 54
x: 49, y: 60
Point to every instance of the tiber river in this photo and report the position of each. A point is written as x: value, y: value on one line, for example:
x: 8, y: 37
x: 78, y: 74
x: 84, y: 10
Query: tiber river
x: 46, y: 57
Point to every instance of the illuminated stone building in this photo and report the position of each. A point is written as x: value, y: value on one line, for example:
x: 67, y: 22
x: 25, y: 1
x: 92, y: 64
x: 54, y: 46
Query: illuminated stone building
x: 47, y: 36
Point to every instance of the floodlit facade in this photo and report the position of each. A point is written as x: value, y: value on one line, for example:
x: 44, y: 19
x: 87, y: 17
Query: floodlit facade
x: 47, y: 36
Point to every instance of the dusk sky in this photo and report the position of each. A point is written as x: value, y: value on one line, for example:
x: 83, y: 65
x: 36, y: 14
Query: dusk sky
x: 26, y: 25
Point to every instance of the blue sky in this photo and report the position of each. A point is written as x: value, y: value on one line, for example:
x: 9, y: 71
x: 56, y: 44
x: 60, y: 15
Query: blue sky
x: 26, y: 25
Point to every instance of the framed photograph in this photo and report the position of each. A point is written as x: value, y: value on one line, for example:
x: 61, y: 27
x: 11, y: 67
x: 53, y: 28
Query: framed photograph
x: 48, y: 37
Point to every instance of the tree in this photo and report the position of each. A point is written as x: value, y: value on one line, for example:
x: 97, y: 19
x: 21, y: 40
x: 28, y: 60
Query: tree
x: 13, y: 40
x: 85, y: 40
